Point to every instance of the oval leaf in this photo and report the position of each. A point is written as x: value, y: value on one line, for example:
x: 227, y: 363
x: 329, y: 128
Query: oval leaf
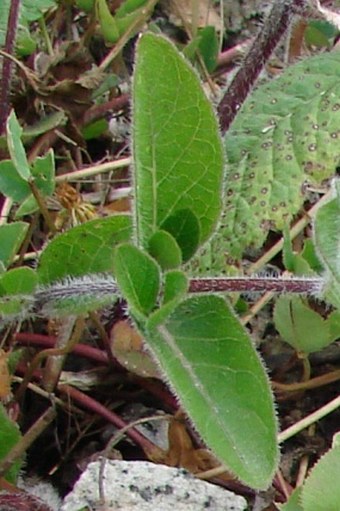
x: 215, y: 371
x: 300, y: 326
x: 178, y: 157
x: 16, y: 148
x: 83, y: 250
x: 286, y: 133
x: 164, y: 249
x: 138, y: 278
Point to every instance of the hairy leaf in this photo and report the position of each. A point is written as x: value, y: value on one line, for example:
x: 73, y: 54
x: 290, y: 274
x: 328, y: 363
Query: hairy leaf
x: 138, y: 277
x: 286, y: 133
x: 177, y: 149
x: 325, y: 474
x: 83, y: 250
x: 213, y: 368
x: 165, y: 250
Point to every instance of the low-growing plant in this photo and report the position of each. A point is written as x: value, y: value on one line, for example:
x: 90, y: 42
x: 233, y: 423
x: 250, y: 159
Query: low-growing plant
x: 199, y: 199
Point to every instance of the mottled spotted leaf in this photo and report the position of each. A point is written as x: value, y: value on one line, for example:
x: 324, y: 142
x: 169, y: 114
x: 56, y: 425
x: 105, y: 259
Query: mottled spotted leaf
x: 286, y: 133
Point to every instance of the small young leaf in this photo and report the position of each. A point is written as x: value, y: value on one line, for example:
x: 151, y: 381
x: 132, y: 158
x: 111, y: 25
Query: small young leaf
x: 178, y: 158
x: 10, y: 435
x: 128, y: 13
x: 213, y: 368
x: 138, y: 278
x: 300, y: 326
x: 163, y: 248
x: 185, y: 228
x: 294, y: 263
x: 43, y: 170
x: 85, y: 249
x: 321, y: 489
x: 11, y: 237
x: 206, y: 43
x: 108, y: 23
x: 175, y: 286
x: 16, y: 148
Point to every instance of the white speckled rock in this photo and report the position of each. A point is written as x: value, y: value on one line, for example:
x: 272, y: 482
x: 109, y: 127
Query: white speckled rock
x: 144, y: 486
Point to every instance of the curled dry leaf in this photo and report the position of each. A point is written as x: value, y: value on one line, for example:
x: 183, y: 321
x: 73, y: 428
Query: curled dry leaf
x: 129, y: 349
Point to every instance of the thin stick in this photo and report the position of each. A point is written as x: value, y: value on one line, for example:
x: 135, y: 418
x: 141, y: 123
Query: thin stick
x: 310, y: 419
x: 94, y: 170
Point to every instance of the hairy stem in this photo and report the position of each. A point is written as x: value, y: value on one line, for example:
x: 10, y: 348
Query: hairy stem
x: 251, y: 284
x: 264, y: 44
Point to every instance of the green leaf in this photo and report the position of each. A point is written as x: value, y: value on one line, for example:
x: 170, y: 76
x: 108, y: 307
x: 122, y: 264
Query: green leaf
x: 294, y: 263
x: 29, y: 11
x: 213, y: 368
x: 293, y: 503
x: 327, y: 242
x: 16, y: 147
x: 185, y: 228
x: 310, y: 255
x: 25, y: 44
x: 16, y: 292
x: 300, y: 326
x: 46, y: 123
x: 108, y: 23
x: 10, y: 436
x: 18, y: 281
x: 128, y: 13
x: 11, y: 183
x: 285, y: 134
x: 163, y: 248
x: 85, y: 5
x: 83, y: 250
x: 43, y: 173
x: 206, y: 43
x: 175, y: 286
x: 324, y: 475
x: 178, y: 159
x: 14, y: 186
x: 138, y: 278
x: 11, y: 237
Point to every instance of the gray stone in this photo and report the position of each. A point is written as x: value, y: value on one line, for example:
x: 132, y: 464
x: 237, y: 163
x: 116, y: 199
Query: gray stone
x: 145, y: 486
